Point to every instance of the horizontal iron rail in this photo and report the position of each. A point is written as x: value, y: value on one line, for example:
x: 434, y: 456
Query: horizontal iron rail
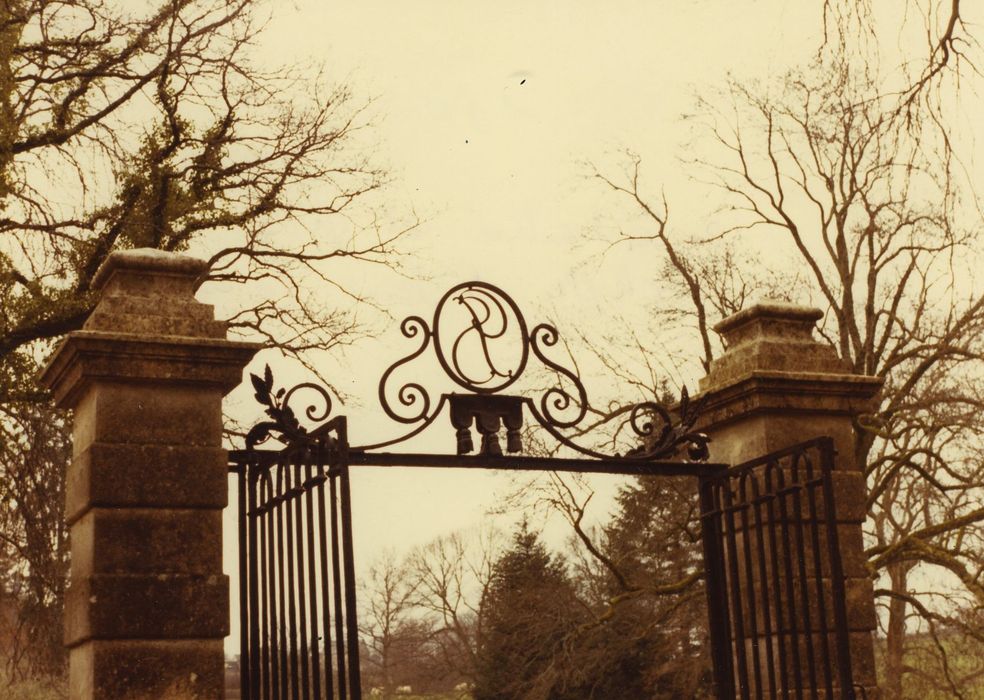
x: 557, y: 464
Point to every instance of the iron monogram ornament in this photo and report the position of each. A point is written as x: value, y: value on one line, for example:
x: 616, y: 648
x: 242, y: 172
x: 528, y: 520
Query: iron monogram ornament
x: 482, y: 343
x: 487, y: 312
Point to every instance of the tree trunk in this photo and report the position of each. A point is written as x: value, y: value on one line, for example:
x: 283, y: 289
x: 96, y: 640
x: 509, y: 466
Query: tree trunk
x: 895, y: 641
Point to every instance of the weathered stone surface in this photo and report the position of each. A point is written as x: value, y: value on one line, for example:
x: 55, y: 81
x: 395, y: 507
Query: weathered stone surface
x: 771, y: 335
x: 851, y: 540
x: 765, y: 411
x: 156, y: 476
x: 774, y: 387
x: 146, y: 606
x: 148, y: 270
x: 157, y: 306
x: 850, y: 496
x: 147, y: 670
x: 151, y: 322
x: 139, y: 302
x: 168, y: 414
x: 96, y: 356
x: 769, y: 319
x: 153, y: 541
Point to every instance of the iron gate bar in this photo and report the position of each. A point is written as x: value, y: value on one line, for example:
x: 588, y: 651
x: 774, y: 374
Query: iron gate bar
x: 283, y: 583
x: 721, y: 515
x: 717, y: 605
x: 348, y: 554
x: 325, y: 611
x: 626, y: 467
x: 838, y: 592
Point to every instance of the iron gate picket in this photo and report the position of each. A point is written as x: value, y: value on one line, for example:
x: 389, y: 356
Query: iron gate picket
x: 299, y: 630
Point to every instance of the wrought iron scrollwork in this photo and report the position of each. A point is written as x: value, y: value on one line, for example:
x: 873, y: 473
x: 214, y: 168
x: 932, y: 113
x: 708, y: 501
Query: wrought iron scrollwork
x: 487, y: 351
x: 284, y: 425
x: 410, y: 394
x: 482, y: 343
x: 661, y: 436
x: 558, y: 398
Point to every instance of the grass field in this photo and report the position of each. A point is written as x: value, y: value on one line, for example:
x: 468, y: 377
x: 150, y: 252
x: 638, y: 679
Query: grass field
x: 925, y: 679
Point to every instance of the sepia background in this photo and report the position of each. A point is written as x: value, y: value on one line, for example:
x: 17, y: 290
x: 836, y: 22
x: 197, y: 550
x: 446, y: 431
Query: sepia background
x: 628, y: 171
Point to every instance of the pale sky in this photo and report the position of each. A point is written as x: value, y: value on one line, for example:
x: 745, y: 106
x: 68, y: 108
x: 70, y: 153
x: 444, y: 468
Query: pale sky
x: 496, y: 167
x: 485, y: 115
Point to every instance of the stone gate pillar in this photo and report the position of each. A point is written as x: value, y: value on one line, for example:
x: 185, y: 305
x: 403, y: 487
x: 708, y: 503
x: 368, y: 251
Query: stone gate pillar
x: 147, y: 606
x: 776, y: 386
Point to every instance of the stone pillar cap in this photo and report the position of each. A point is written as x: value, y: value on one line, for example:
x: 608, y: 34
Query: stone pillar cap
x: 148, y: 328
x: 772, y: 310
x: 148, y: 260
x: 772, y: 336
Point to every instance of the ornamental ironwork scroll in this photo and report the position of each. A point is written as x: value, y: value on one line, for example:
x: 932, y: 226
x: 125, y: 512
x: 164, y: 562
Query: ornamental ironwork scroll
x: 284, y: 425
x: 482, y: 343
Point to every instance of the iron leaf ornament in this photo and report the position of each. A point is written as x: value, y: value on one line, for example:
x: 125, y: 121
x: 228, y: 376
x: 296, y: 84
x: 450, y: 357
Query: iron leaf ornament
x: 283, y: 424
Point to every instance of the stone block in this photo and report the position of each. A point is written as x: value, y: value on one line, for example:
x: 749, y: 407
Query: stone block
x: 143, y: 271
x: 87, y: 358
x: 147, y: 541
x: 772, y: 336
x: 168, y: 414
x: 777, y: 354
x: 754, y: 428
x: 137, y: 283
x: 804, y: 612
x: 156, y: 476
x: 147, y: 670
x: 850, y: 496
x: 804, y: 665
x: 762, y: 550
x: 156, y: 305
x: 769, y: 319
x: 147, y: 606
x: 138, y: 606
x: 152, y: 322
x: 774, y: 387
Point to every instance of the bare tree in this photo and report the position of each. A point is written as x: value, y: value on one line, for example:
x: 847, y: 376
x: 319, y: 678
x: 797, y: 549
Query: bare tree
x: 156, y: 129
x: 452, y: 575
x: 34, y: 449
x: 928, y: 70
x: 874, y: 216
x: 128, y: 125
x: 397, y: 640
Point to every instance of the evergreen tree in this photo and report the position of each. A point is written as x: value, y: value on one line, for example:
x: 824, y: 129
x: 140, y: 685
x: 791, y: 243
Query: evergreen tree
x: 647, y: 639
x: 659, y: 633
x: 528, y: 612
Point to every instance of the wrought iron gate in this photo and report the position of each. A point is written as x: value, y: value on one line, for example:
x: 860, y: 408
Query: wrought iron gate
x: 774, y: 578
x: 298, y: 619
x: 297, y: 572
